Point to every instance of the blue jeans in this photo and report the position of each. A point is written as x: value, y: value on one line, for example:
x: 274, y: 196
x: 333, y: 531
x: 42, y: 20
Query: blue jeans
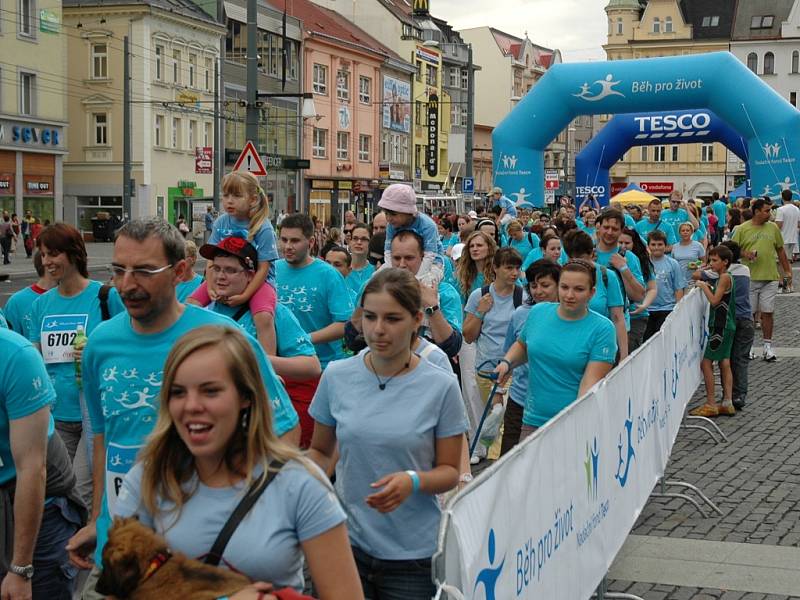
x: 54, y: 575
x: 394, y: 579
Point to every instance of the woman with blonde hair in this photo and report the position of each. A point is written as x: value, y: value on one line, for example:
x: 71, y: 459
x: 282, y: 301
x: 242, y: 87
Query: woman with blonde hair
x: 212, y: 444
x: 475, y: 268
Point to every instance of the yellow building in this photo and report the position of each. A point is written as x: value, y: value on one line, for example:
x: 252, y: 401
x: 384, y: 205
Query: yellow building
x: 33, y: 110
x: 173, y: 51
x: 431, y: 114
x: 656, y: 28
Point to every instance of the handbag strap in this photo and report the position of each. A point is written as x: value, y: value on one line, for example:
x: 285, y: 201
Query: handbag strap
x: 245, y: 504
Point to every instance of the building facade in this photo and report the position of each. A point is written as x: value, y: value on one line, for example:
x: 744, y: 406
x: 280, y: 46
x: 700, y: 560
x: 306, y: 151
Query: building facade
x: 667, y: 28
x: 33, y: 108
x: 173, y: 49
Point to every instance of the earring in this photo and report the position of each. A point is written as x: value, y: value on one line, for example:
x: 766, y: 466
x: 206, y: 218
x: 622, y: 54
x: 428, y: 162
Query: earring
x: 246, y: 418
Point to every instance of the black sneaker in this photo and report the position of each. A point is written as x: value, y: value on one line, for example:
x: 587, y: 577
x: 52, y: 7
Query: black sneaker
x: 739, y: 403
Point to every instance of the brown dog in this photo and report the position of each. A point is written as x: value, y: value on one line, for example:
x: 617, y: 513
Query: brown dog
x: 138, y: 565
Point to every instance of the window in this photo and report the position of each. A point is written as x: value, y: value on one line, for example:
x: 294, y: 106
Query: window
x: 464, y: 79
x: 707, y: 153
x: 209, y: 72
x: 656, y: 25
x: 431, y: 74
x: 419, y: 116
x: 454, y: 76
x: 319, y: 81
x: 795, y: 62
x: 99, y: 61
x: 159, y: 63
x: 320, y: 142
x: 27, y: 88
x: 619, y: 26
x: 455, y: 114
x: 176, y: 66
x: 769, y: 63
x: 762, y: 22
x: 364, y: 89
x: 100, y: 123
x: 159, y: 131
x: 464, y: 117
x: 659, y: 153
x: 711, y: 21
x: 385, y: 147
x: 192, y: 134
x: 27, y: 15
x: 206, y: 135
x: 793, y: 98
x: 272, y: 47
x: 752, y: 62
x: 343, y: 85
x: 364, y: 143
x: 674, y: 154
x: 668, y: 25
x: 176, y: 133
x: 291, y: 61
x: 192, y: 69
x: 342, y: 145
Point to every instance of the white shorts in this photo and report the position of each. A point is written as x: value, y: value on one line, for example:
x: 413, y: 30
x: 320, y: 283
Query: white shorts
x: 762, y: 296
x: 791, y: 250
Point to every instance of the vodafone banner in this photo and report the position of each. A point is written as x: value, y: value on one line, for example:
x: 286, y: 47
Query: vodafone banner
x: 547, y: 520
x: 657, y: 187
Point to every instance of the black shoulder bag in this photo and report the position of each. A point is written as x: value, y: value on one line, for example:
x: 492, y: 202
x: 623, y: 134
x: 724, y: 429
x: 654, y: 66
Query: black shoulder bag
x: 253, y: 494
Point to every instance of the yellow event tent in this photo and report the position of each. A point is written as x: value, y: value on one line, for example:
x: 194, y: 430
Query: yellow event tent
x: 633, y: 194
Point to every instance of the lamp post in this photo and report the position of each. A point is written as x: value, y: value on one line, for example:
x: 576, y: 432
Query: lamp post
x: 568, y: 155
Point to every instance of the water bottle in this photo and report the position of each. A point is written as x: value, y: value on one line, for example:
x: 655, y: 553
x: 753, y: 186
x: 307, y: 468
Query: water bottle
x: 78, y: 344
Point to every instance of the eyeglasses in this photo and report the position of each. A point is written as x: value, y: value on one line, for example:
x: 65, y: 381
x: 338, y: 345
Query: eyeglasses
x: 229, y: 271
x: 139, y: 274
x: 359, y: 239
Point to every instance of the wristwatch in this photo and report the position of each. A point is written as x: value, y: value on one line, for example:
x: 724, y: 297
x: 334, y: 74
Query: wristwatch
x: 429, y: 310
x: 26, y: 571
x: 465, y: 478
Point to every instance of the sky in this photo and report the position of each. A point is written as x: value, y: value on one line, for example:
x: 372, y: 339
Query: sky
x: 576, y: 27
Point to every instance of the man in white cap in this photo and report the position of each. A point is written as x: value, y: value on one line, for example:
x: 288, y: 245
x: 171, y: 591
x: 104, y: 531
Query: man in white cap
x: 508, y: 211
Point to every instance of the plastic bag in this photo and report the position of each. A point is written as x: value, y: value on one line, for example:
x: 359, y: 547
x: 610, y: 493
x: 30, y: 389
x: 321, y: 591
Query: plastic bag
x: 491, y: 426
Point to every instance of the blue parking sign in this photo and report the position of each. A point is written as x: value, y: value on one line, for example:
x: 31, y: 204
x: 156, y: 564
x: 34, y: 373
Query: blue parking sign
x: 468, y: 185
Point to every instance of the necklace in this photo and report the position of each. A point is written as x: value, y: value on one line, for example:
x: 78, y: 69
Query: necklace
x: 382, y: 384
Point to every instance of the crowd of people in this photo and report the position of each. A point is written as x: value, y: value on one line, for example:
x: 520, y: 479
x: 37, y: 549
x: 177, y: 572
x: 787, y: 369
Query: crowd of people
x: 334, y: 378
x: 19, y: 234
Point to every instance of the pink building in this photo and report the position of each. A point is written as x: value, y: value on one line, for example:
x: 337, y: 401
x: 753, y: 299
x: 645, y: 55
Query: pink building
x: 342, y: 67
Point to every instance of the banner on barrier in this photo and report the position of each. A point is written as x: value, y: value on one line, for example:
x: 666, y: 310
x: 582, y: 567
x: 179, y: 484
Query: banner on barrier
x: 548, y: 519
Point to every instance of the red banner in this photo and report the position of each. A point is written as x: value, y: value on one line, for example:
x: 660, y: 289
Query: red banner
x: 617, y: 187
x: 203, y: 160
x: 6, y: 184
x: 657, y: 187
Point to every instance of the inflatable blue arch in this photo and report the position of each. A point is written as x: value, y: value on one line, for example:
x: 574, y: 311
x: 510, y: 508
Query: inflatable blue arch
x: 717, y: 81
x: 623, y: 132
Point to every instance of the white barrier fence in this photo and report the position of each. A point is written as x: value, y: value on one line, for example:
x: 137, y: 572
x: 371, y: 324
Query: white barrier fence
x: 547, y: 520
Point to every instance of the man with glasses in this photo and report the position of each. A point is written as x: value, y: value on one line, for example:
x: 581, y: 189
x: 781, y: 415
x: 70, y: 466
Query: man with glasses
x: 653, y: 222
x: 123, y: 367
x: 678, y: 213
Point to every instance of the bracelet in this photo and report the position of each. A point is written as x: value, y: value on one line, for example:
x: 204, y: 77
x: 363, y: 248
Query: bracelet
x: 623, y: 269
x: 414, y: 480
x: 508, y: 362
x: 480, y: 315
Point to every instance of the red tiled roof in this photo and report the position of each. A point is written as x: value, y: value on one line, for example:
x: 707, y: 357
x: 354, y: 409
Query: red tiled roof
x: 546, y: 60
x: 515, y: 50
x: 317, y: 19
x: 505, y: 41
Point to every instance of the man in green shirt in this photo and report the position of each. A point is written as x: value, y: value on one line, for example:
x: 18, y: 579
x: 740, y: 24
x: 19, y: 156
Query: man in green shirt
x: 762, y: 243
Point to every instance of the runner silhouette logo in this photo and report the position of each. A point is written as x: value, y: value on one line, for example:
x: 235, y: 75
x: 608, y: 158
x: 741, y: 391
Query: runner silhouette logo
x: 489, y: 576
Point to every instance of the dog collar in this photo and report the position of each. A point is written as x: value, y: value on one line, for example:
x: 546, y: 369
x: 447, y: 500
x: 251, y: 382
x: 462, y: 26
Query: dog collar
x: 158, y: 561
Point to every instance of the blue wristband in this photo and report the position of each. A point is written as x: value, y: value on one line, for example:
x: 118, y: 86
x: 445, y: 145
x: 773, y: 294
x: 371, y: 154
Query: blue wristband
x: 414, y: 480
x: 223, y: 598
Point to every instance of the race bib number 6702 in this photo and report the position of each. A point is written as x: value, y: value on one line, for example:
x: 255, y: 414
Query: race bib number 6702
x: 58, y: 335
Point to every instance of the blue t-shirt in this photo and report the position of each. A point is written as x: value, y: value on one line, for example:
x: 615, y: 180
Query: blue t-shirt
x: 721, y: 212
x: 675, y: 218
x: 122, y: 373
x: 604, y: 258
x: 184, y: 289
x: 54, y: 322
x: 591, y: 231
x: 318, y: 296
x: 24, y: 389
x: 424, y: 227
x: 3, y: 323
x: 630, y: 223
x: 529, y: 242
x: 291, y: 340
x: 518, y: 390
x: 356, y: 279
x: 489, y: 345
x: 18, y: 309
x: 382, y: 432
x: 264, y: 240
x: 692, y: 252
x: 669, y: 279
x: 537, y: 254
x: 449, y: 241
x: 606, y: 298
x: 645, y: 226
x: 506, y: 203
x: 297, y: 506
x: 555, y: 370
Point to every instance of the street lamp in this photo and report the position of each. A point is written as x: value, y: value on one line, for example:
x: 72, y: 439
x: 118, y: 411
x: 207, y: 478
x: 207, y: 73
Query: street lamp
x: 568, y: 153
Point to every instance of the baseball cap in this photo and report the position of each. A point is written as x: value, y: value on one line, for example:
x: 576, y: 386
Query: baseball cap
x: 232, y: 246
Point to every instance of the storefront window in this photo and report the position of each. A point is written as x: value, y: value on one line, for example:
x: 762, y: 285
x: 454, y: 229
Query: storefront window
x: 89, y: 206
x: 320, y: 204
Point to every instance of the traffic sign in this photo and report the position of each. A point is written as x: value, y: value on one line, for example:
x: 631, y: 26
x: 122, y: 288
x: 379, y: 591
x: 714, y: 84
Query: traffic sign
x: 468, y: 185
x: 249, y: 160
x: 549, y: 197
x: 551, y: 184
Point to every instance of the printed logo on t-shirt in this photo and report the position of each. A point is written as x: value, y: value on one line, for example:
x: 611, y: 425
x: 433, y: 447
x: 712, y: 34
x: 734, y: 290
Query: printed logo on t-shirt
x: 119, y: 460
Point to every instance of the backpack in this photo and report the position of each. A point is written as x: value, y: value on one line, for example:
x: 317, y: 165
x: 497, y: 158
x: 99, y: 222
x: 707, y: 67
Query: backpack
x: 604, y: 273
x: 530, y: 240
x: 518, y: 294
x: 102, y: 296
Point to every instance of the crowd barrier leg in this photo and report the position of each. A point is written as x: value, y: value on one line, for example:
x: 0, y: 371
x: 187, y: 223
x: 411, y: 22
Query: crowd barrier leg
x: 665, y: 494
x: 602, y: 593
x: 711, y: 428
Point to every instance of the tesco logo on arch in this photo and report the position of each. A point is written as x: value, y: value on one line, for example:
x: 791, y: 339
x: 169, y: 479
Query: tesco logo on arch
x: 667, y: 123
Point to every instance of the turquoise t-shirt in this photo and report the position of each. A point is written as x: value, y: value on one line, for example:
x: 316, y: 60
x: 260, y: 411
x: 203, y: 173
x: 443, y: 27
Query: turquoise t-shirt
x: 291, y: 340
x: 630, y: 223
x: 317, y: 295
x: 604, y: 258
x: 184, y: 289
x: 720, y: 209
x: 537, y: 254
x: 264, y: 241
x: 669, y: 279
x: 18, y: 308
x: 518, y: 390
x: 606, y: 298
x: 555, y: 370
x: 524, y: 246
x: 54, y: 319
x: 591, y: 231
x: 384, y: 431
x: 357, y: 279
x: 674, y: 218
x: 24, y: 389
x: 122, y: 373
x: 297, y: 506
x: 450, y: 241
x: 645, y: 226
x: 3, y: 323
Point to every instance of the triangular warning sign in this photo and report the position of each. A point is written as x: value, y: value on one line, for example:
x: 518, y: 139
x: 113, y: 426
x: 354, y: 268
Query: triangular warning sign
x: 249, y: 160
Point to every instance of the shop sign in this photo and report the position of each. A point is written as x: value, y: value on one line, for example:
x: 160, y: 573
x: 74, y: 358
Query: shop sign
x: 427, y: 55
x: 397, y: 174
x: 657, y: 187
x: 6, y: 184
x: 617, y: 187
x: 38, y: 188
x: 345, y: 185
x: 431, y: 186
x: 187, y: 188
x: 383, y: 170
x: 432, y: 152
x: 321, y: 184
x: 203, y: 160
x: 18, y: 134
x: 49, y: 21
